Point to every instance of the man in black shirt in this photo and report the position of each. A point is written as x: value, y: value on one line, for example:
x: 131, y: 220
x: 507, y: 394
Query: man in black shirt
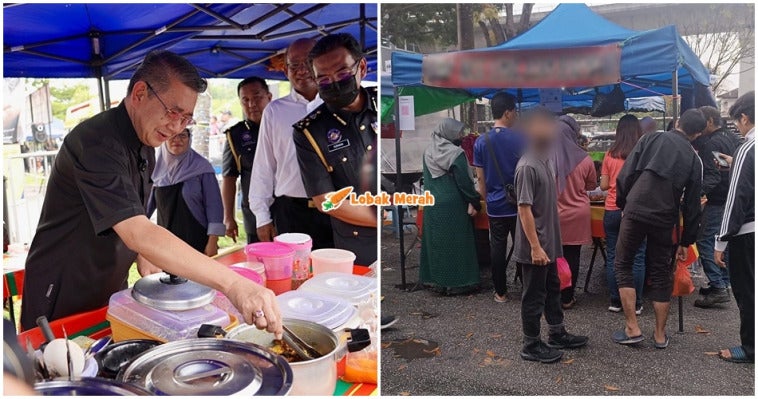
x: 715, y: 138
x: 662, y: 169
x: 239, y: 152
x: 336, y: 140
x: 93, y: 224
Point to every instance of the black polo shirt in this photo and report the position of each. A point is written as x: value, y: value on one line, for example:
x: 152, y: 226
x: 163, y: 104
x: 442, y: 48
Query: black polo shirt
x: 101, y: 177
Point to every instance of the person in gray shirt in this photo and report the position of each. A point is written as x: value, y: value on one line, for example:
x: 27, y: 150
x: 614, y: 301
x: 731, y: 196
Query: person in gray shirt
x: 538, y: 243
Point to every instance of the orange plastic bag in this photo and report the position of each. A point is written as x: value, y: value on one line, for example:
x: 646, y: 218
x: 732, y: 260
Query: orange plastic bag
x: 682, y: 280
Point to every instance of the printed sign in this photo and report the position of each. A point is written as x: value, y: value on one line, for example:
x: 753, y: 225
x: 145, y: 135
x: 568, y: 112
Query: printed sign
x: 407, y: 113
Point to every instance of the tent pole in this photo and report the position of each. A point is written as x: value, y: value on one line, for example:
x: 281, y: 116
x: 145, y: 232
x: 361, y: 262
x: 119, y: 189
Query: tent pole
x: 398, y: 185
x: 363, y: 26
x: 675, y: 95
x: 107, y: 92
x: 100, y: 93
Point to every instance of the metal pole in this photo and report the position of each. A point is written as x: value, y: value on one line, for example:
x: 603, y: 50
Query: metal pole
x: 675, y: 95
x: 100, y: 93
x: 107, y: 92
x: 681, y: 316
x: 398, y: 185
x: 363, y: 27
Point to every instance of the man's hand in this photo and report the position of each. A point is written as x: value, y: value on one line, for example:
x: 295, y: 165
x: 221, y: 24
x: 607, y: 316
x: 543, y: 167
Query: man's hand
x: 231, y: 228
x: 250, y: 298
x: 145, y: 268
x: 726, y: 158
x: 539, y: 257
x: 267, y: 232
x: 211, y: 249
x: 681, y: 253
x: 718, y: 257
x: 471, y: 210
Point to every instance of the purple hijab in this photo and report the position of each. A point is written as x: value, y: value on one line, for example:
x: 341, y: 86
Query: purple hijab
x: 171, y: 169
x: 568, y: 154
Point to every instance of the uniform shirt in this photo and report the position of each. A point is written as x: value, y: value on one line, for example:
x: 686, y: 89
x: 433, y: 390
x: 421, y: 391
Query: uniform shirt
x: 535, y: 186
x: 507, y: 145
x: 347, y: 141
x: 275, y: 170
x: 101, y: 177
x: 239, y: 153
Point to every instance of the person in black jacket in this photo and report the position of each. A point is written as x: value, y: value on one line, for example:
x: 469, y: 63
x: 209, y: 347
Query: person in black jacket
x: 738, y: 230
x: 660, y: 177
x: 715, y: 139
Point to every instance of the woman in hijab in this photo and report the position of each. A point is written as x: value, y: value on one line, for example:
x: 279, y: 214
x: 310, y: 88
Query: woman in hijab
x: 186, y: 195
x: 448, y: 249
x: 576, y: 175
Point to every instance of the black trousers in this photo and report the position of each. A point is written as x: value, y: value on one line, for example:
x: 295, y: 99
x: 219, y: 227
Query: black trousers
x: 659, y: 255
x: 500, y: 229
x: 573, y: 255
x: 742, y: 276
x: 293, y: 215
x: 248, y: 217
x: 541, y: 295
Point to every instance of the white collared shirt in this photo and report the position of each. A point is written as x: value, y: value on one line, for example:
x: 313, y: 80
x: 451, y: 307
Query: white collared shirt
x: 275, y: 169
x: 750, y: 134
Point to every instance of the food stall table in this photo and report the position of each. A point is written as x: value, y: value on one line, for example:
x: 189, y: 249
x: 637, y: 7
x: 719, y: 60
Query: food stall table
x: 597, y: 212
x: 94, y: 325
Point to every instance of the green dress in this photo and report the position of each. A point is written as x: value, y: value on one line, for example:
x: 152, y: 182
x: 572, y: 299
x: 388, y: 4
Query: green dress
x: 448, y: 249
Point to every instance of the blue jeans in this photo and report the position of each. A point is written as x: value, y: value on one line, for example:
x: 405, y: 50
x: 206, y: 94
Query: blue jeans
x: 709, y: 228
x: 612, y: 224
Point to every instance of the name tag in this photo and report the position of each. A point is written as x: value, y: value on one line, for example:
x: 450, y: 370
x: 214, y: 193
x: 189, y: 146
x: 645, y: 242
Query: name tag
x: 338, y: 145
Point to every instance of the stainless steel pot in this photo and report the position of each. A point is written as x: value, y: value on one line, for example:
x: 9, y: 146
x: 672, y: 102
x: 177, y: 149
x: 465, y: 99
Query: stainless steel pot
x: 215, y: 367
x: 317, y: 377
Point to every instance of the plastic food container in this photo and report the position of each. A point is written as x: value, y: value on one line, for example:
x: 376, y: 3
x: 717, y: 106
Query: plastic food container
x: 352, y: 288
x: 277, y: 258
x: 254, y: 266
x: 132, y: 320
x: 301, y: 244
x: 331, y: 312
x: 332, y: 260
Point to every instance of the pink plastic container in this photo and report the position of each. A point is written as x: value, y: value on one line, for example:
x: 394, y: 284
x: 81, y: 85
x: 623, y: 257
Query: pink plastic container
x: 249, y: 274
x: 277, y: 259
x: 301, y: 244
x: 332, y: 260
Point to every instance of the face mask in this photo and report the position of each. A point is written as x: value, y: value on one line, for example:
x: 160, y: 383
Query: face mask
x: 458, y: 142
x: 340, y: 94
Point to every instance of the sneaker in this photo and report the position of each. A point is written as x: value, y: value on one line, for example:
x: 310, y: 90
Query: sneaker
x: 388, y: 321
x: 705, y: 290
x: 567, y: 341
x: 638, y: 311
x: 714, y: 297
x: 615, y: 306
x: 542, y: 353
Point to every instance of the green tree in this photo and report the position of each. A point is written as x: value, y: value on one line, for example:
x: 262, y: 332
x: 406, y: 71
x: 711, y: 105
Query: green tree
x: 430, y: 25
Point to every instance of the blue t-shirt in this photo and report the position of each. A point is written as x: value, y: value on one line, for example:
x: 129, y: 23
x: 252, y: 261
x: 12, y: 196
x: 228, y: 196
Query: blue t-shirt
x: 508, y: 146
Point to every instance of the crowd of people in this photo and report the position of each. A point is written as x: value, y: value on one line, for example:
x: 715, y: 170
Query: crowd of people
x: 118, y: 168
x: 665, y: 191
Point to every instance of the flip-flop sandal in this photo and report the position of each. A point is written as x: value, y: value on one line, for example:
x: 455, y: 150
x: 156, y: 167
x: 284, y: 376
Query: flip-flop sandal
x: 661, y: 345
x: 620, y: 337
x: 738, y: 355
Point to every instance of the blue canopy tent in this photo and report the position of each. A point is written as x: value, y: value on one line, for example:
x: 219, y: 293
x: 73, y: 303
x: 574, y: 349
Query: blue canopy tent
x: 108, y: 41
x: 651, y: 61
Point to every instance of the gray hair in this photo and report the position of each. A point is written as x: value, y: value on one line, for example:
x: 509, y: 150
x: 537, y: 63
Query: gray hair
x: 160, y: 66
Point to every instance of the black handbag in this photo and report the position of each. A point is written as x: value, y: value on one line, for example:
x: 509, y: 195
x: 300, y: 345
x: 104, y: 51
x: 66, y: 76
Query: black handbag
x: 608, y: 104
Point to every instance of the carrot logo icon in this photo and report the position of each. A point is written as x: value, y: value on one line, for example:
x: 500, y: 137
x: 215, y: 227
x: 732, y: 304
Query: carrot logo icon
x: 335, y: 199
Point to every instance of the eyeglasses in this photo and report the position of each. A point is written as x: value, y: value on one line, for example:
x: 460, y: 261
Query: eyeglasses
x: 339, y: 76
x: 297, y: 66
x: 171, y: 114
x: 181, y: 136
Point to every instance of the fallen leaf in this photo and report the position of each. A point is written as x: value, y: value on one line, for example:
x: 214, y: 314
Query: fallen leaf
x: 386, y: 345
x: 700, y: 330
x: 712, y: 353
x: 487, y: 360
x: 476, y: 350
x: 421, y: 341
x: 568, y: 361
x: 558, y: 380
x: 436, y: 351
x: 491, y: 354
x: 612, y: 388
x: 469, y: 335
x: 402, y: 367
x: 416, y: 313
x: 496, y: 336
x: 405, y: 393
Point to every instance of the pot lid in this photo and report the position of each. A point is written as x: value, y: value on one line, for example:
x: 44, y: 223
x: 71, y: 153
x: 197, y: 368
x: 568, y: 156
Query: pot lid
x: 329, y: 311
x: 88, y: 387
x: 206, y: 366
x: 168, y: 292
x: 352, y: 288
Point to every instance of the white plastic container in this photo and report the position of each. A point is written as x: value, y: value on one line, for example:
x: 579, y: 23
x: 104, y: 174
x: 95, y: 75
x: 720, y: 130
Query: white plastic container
x: 331, y: 312
x: 133, y: 320
x: 332, y: 260
x: 352, y: 288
